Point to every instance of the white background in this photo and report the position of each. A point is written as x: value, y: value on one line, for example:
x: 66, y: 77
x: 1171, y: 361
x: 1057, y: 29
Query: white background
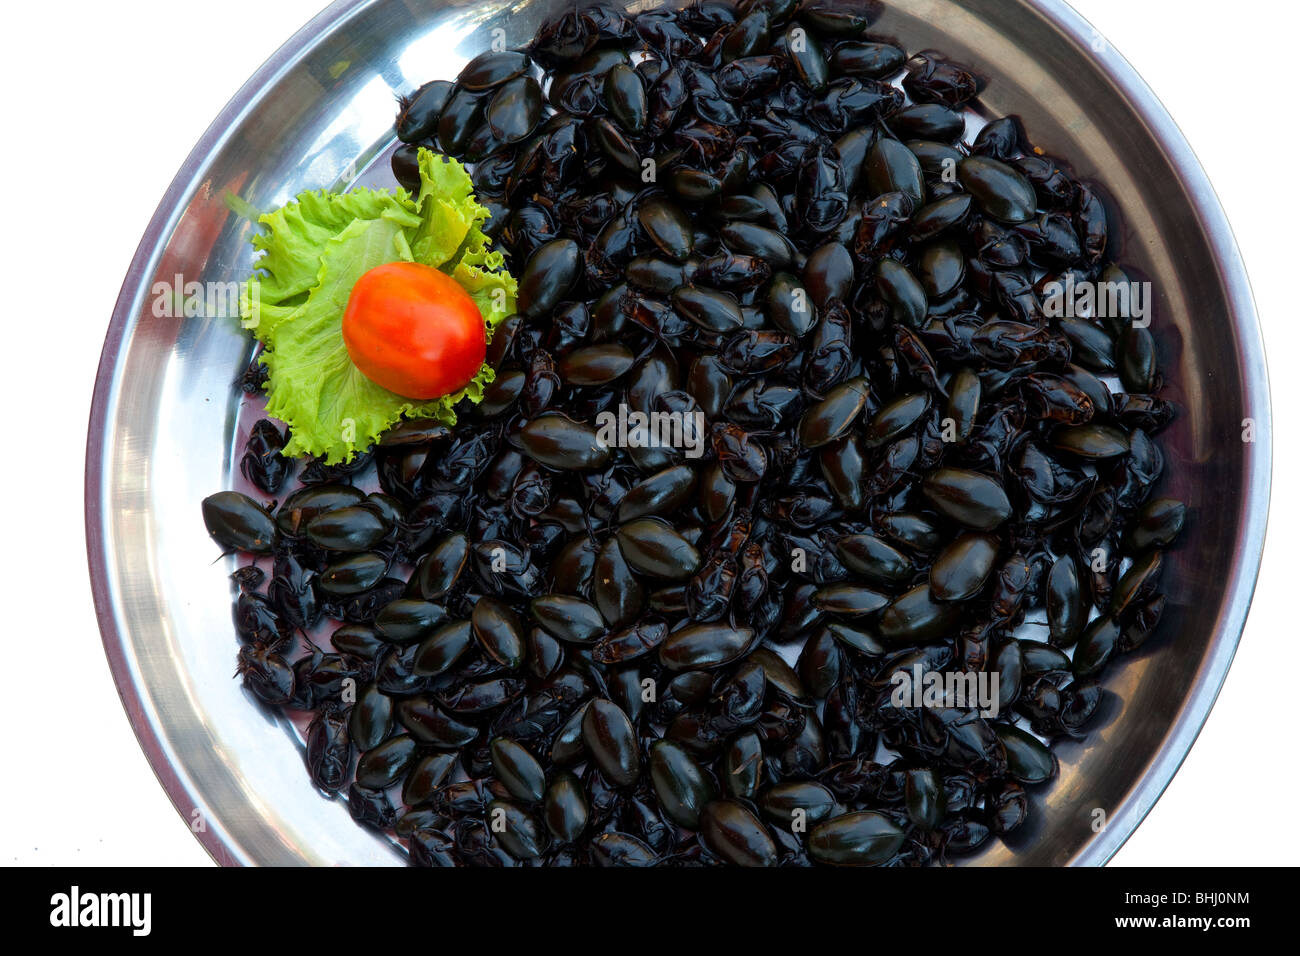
x: 102, y: 103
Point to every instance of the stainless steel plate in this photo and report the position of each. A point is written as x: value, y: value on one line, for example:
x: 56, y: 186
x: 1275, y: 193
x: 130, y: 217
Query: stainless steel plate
x: 162, y: 426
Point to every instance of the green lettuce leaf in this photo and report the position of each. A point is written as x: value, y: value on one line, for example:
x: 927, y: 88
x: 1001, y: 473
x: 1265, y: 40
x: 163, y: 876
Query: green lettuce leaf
x: 449, y: 214
x: 313, y: 251
x: 296, y: 234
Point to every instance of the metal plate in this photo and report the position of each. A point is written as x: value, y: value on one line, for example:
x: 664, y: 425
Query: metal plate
x: 319, y: 113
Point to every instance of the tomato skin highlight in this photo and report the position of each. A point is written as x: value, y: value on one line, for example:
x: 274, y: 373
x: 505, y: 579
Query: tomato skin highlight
x: 413, y: 330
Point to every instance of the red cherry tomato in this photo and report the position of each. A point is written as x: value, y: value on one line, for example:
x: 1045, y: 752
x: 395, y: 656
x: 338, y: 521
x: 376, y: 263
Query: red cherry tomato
x: 414, y: 330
